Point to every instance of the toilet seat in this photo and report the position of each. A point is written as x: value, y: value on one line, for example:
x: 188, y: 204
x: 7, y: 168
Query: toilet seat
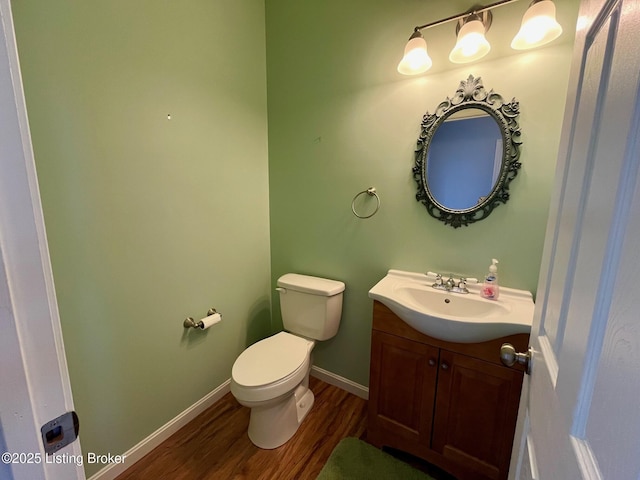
x: 270, y: 367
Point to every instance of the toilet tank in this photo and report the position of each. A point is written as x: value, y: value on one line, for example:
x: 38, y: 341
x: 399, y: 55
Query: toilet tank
x: 311, y: 306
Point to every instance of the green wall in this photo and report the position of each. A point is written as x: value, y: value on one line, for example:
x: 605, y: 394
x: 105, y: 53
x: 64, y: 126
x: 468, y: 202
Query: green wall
x: 150, y: 220
x: 342, y: 119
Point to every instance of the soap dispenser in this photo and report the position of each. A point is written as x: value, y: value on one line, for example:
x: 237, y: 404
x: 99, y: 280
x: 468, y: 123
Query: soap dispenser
x: 490, y: 288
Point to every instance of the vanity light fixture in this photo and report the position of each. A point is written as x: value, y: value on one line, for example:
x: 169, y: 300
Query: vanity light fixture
x: 539, y: 27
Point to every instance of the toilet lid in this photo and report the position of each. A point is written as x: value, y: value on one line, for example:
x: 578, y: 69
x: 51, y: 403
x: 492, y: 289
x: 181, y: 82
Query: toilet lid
x: 270, y: 360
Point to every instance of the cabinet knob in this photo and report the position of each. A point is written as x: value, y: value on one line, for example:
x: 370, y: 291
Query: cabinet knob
x: 432, y: 362
x: 445, y: 366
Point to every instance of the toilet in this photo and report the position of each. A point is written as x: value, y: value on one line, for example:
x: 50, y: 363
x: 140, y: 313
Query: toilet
x: 271, y: 377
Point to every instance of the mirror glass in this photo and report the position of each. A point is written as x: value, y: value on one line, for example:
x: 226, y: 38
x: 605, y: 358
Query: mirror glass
x: 464, y: 159
x: 467, y: 155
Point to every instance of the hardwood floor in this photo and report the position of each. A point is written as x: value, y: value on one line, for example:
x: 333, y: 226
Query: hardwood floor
x: 215, y: 444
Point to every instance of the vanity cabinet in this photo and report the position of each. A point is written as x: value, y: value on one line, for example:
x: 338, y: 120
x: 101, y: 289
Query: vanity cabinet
x: 452, y: 404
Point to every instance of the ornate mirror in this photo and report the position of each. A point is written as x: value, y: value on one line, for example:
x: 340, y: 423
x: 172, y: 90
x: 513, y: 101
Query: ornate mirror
x: 467, y: 155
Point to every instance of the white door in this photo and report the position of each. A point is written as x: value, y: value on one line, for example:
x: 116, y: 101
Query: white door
x: 583, y: 404
x: 34, y: 383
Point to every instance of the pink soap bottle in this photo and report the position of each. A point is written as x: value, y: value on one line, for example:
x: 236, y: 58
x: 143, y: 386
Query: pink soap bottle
x: 490, y: 288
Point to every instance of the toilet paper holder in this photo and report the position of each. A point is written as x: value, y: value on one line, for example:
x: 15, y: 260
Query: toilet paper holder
x: 189, y: 322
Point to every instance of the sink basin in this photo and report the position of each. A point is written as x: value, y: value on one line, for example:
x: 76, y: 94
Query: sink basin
x: 454, y: 317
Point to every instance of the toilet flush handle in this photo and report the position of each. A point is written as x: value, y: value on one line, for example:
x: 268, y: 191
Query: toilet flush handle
x: 281, y: 290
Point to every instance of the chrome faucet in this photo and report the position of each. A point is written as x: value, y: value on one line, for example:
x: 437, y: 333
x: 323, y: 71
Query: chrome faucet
x: 450, y: 285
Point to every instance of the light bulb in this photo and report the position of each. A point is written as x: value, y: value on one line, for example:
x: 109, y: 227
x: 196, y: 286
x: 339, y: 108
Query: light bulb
x: 472, y: 44
x: 539, y: 26
x: 416, y: 59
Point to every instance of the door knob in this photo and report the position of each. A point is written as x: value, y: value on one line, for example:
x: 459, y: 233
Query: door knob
x: 510, y: 357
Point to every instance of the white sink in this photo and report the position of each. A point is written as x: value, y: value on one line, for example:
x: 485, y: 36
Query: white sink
x: 454, y: 317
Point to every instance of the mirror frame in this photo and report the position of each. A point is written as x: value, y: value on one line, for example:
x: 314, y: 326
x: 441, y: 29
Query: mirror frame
x: 470, y: 94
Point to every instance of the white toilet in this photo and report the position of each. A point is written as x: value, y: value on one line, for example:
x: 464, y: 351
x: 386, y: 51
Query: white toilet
x: 272, y: 376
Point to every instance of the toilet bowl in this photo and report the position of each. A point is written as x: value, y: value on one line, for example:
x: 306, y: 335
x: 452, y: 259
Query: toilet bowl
x: 271, y: 377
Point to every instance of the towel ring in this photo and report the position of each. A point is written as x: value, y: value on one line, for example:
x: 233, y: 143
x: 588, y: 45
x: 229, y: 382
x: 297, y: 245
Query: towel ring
x: 371, y: 191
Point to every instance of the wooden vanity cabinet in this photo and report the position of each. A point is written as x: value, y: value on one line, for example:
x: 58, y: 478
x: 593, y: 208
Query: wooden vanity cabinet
x: 452, y: 404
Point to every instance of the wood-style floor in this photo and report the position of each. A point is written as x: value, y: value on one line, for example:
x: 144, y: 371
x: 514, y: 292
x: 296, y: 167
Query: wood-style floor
x: 215, y: 444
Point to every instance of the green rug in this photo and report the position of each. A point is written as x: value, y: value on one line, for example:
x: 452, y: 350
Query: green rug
x: 353, y: 459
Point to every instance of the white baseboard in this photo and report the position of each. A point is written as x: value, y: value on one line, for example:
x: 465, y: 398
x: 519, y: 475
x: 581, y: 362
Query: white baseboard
x: 340, y: 382
x: 111, y: 471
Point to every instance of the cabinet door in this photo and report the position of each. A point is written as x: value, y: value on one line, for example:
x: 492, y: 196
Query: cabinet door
x: 475, y: 414
x: 401, y: 392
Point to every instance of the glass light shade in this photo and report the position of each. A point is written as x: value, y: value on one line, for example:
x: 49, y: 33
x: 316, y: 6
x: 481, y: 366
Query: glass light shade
x: 539, y: 26
x: 416, y: 59
x: 471, y: 44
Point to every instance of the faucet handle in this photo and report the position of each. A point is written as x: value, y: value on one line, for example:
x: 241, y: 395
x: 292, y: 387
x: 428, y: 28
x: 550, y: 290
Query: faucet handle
x: 462, y: 285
